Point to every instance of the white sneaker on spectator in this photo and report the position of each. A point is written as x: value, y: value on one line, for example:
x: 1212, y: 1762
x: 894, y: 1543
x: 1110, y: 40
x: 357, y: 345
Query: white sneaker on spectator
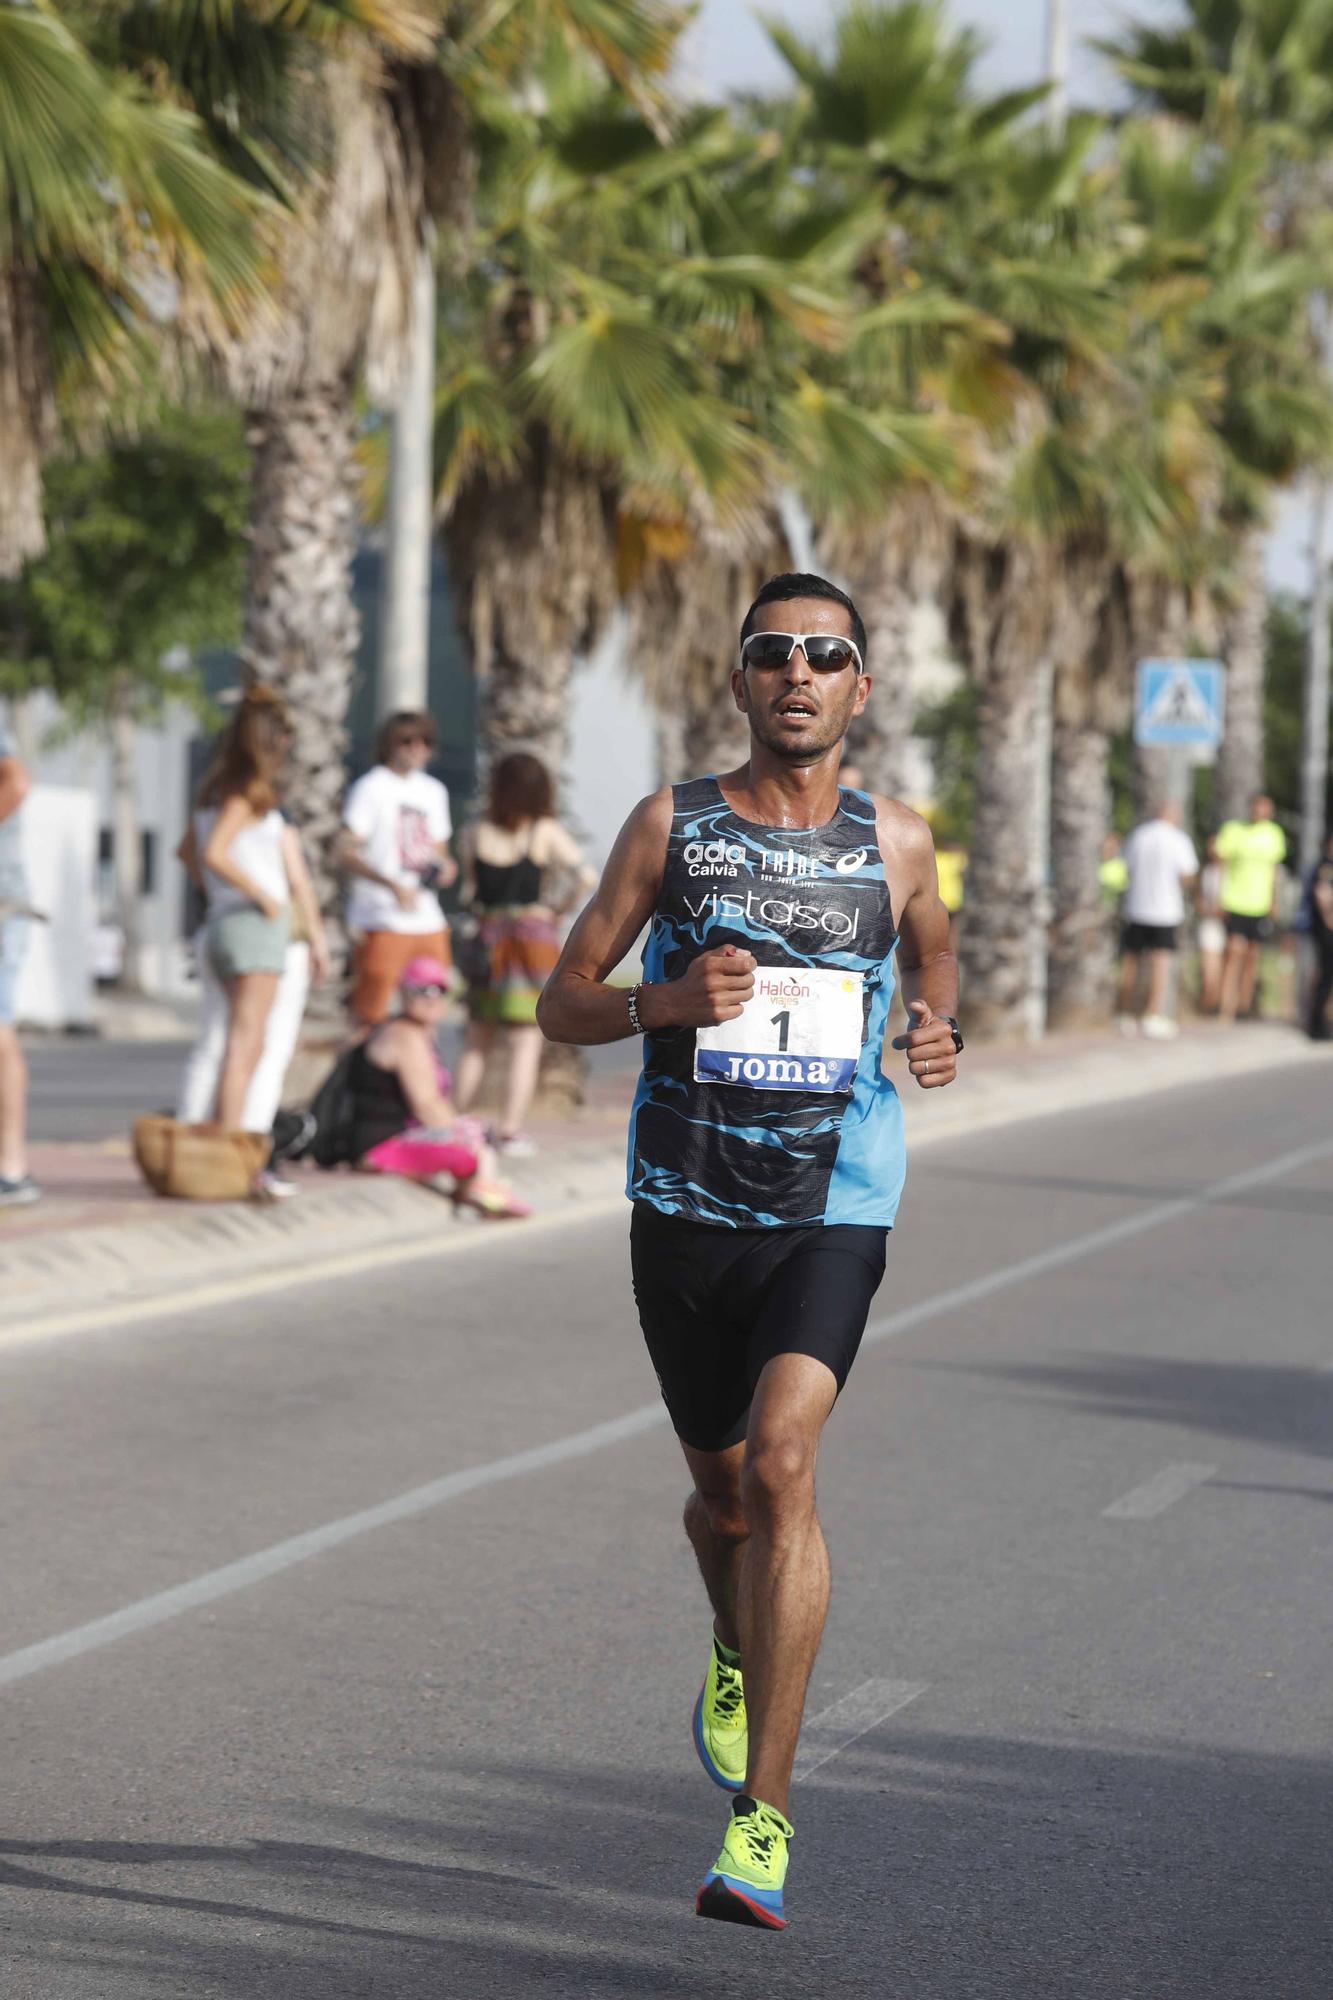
x: 1160, y: 1027
x: 515, y: 1146
x: 1127, y: 1024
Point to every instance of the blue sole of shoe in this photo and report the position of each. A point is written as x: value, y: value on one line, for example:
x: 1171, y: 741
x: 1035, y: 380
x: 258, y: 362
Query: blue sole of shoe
x: 718, y: 1899
x: 726, y: 1784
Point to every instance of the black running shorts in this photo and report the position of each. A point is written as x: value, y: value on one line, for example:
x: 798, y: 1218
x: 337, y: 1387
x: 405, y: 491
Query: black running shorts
x: 717, y: 1304
x: 1147, y: 937
x: 1250, y: 928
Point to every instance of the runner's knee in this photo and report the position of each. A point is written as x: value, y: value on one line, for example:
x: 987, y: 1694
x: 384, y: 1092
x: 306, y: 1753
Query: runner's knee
x: 779, y: 1475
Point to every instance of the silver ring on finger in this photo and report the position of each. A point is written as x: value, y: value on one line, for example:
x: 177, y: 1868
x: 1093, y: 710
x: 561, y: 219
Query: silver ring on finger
x: 925, y: 1069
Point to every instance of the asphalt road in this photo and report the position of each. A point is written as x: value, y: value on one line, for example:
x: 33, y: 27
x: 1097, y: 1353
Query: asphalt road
x: 1077, y: 1496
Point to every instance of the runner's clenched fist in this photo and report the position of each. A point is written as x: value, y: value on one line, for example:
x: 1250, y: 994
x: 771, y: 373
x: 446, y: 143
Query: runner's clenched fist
x: 715, y: 988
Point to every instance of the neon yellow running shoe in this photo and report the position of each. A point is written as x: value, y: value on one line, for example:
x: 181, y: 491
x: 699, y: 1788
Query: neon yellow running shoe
x: 745, y: 1887
x: 721, y: 1734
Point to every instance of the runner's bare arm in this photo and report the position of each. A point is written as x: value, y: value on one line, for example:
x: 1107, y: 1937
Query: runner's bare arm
x: 928, y: 969
x: 578, y: 1006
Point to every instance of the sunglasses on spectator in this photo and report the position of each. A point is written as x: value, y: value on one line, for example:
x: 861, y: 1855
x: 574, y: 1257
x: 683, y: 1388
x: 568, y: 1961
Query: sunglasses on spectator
x: 825, y: 652
x: 432, y: 992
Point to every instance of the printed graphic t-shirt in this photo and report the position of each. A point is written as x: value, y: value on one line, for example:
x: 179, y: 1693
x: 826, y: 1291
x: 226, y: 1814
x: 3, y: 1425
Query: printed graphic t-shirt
x: 13, y: 875
x: 757, y: 1127
x: 400, y: 820
x: 1250, y: 851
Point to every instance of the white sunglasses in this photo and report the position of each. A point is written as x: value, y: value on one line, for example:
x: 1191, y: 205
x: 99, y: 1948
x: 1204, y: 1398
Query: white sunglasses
x: 825, y: 652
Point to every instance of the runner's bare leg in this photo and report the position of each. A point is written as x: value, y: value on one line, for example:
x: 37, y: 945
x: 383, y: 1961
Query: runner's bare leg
x: 715, y: 1524
x: 784, y: 1577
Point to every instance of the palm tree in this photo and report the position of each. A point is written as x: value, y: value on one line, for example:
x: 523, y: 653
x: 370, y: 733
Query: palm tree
x: 358, y: 115
x: 1251, y: 76
x: 886, y: 116
x: 116, y: 224
x: 591, y: 426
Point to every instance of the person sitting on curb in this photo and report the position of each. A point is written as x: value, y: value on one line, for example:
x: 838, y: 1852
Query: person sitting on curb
x: 404, y: 1121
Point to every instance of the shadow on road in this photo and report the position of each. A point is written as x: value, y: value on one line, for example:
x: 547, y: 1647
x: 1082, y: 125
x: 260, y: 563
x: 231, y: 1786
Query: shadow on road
x: 1260, y: 1402
x: 929, y: 1867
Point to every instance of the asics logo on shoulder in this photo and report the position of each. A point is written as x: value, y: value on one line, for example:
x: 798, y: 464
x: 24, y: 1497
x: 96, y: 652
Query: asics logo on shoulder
x: 847, y: 864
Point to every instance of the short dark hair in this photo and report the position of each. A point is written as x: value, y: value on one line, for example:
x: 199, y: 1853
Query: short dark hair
x: 521, y: 789
x: 782, y: 589
x: 406, y: 725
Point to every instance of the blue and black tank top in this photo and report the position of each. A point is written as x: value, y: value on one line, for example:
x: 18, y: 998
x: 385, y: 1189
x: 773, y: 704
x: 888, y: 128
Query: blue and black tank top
x: 787, y: 1120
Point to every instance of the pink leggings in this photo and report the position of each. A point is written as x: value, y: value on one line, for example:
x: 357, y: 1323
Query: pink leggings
x: 419, y: 1158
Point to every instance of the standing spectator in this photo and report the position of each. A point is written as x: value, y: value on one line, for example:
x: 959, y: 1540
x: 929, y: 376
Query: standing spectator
x: 306, y: 959
x: 251, y: 870
x: 508, y: 858
x: 1251, y: 852
x: 395, y: 845
x: 1159, y: 863
x: 17, y: 1185
x: 1212, y: 934
x: 1112, y: 874
x: 1319, y: 910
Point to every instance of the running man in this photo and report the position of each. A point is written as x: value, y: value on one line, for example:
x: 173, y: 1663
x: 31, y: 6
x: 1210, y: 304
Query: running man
x: 765, y: 1153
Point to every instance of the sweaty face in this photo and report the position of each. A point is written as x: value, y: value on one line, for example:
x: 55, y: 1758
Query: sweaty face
x: 796, y: 713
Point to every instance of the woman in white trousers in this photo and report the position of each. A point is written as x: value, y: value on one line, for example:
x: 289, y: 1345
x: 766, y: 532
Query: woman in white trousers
x: 199, y: 1084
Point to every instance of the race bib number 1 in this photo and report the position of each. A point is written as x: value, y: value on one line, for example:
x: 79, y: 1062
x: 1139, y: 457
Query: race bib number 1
x: 801, y: 1031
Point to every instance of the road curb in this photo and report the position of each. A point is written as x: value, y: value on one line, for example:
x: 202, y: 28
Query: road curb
x: 180, y: 1249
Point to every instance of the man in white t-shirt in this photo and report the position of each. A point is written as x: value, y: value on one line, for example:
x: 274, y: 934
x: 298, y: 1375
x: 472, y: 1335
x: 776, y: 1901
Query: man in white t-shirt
x: 395, y: 847
x: 1161, y: 864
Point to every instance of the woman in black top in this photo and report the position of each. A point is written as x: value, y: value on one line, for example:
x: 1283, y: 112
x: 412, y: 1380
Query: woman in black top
x: 403, y: 1121
x: 507, y: 857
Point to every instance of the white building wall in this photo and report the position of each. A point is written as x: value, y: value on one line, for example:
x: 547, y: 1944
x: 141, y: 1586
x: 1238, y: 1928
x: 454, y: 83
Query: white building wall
x: 613, y: 755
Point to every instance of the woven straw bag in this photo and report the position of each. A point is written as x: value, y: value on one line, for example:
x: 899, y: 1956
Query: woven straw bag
x: 198, y: 1162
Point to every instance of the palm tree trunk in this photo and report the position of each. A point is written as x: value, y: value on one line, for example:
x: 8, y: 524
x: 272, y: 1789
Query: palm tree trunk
x: 532, y: 561
x: 1003, y: 900
x: 878, y: 739
x: 127, y: 839
x: 301, y: 623
x: 27, y: 418
x: 1082, y: 939
x: 1240, y: 763
x: 1001, y: 615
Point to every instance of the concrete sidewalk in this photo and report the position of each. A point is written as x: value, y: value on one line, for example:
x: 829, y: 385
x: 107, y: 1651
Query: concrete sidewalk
x: 101, y: 1239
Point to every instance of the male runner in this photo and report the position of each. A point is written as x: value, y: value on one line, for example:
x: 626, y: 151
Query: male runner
x: 765, y: 1155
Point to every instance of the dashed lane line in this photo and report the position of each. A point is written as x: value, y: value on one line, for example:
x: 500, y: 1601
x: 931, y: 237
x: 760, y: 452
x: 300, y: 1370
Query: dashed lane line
x: 1155, y: 1495
x: 854, y: 1716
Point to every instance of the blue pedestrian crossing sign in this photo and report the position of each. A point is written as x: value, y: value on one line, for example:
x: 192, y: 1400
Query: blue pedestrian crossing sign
x: 1178, y: 704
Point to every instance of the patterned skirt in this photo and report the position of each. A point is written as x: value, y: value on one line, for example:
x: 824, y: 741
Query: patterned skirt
x: 520, y: 948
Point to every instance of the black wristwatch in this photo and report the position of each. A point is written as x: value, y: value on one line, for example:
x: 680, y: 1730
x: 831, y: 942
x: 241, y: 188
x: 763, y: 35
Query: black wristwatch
x: 954, y: 1030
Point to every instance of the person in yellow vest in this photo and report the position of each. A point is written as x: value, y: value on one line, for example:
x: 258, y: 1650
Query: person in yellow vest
x: 1251, y: 851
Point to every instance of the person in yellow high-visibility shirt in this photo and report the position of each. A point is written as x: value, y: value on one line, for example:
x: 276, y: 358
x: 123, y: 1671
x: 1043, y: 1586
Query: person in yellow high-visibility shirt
x: 1251, y: 852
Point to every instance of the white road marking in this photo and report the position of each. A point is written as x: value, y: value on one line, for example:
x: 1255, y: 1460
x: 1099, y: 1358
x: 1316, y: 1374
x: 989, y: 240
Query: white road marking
x: 855, y: 1715
x: 234, y: 1576
x: 218, y: 1583
x: 1075, y: 1247
x: 1155, y: 1495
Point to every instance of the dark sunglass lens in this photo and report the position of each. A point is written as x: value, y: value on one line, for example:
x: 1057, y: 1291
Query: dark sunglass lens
x: 767, y: 649
x: 828, y: 654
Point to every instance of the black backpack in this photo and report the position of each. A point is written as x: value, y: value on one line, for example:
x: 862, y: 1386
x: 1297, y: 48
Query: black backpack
x: 325, y: 1130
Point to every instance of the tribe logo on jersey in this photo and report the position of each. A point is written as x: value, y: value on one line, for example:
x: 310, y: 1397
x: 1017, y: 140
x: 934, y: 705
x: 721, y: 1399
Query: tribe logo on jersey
x: 778, y: 913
